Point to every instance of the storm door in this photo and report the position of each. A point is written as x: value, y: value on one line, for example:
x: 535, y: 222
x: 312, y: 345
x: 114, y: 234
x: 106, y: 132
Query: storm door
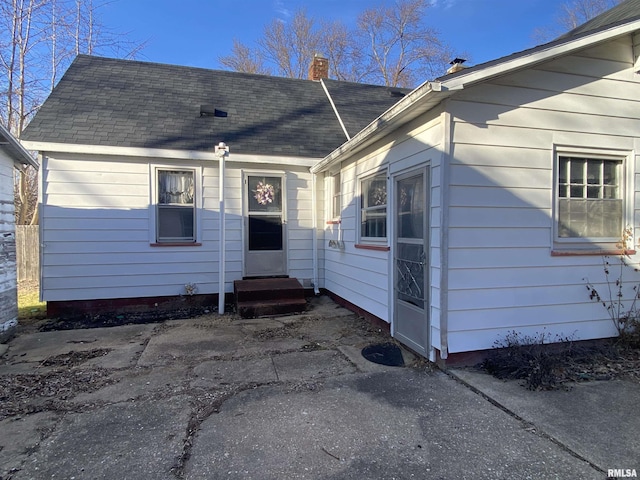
x: 411, y: 260
x: 265, y: 223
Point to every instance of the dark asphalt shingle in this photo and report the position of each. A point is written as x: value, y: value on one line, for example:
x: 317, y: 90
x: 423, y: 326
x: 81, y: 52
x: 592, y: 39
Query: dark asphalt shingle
x: 626, y: 11
x: 103, y: 101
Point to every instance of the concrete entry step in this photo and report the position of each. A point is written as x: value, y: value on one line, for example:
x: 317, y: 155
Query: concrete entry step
x: 268, y: 296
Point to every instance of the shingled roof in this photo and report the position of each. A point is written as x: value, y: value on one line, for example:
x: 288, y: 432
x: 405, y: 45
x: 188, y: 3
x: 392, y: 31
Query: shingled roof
x: 109, y: 102
x: 626, y: 11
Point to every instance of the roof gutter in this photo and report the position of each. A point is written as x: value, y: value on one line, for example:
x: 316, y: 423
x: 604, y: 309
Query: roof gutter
x: 535, y: 55
x: 384, y: 123
x: 17, y: 151
x: 429, y: 94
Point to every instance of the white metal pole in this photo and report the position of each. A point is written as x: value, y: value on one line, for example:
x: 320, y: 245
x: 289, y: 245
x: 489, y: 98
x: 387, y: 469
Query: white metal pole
x: 314, y: 232
x: 222, y: 151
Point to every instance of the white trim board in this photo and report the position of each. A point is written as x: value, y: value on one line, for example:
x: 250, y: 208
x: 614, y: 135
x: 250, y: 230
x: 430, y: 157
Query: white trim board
x: 166, y: 153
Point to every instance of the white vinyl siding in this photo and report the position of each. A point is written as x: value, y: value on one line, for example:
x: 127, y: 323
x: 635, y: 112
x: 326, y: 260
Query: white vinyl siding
x: 98, y: 229
x: 361, y: 275
x: 503, y: 274
x: 8, y: 286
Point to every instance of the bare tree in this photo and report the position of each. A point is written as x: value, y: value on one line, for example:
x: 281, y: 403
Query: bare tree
x: 571, y: 15
x: 390, y: 46
x: 38, y: 40
x: 17, y: 42
x: 341, y: 48
x: 291, y: 45
x: 244, y: 59
x: 401, y: 50
x: 575, y: 13
x: 26, y: 195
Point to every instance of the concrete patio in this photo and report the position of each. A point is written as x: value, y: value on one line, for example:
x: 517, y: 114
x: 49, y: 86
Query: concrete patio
x: 289, y: 397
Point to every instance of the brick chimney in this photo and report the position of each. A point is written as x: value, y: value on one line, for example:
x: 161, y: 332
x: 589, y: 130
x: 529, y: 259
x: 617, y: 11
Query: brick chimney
x: 319, y: 68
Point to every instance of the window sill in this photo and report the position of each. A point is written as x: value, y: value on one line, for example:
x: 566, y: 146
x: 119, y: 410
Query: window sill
x: 378, y: 248
x: 576, y: 253
x: 334, y: 222
x: 176, y: 244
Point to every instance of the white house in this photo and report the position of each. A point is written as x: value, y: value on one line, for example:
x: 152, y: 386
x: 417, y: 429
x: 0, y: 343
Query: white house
x: 12, y: 155
x: 131, y: 186
x: 474, y: 205
x: 506, y: 184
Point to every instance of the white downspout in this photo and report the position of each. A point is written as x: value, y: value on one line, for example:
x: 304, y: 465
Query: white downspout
x: 314, y: 237
x: 444, y: 234
x: 221, y: 151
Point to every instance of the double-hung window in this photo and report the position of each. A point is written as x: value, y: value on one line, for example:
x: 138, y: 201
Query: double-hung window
x: 373, y: 208
x: 175, y: 206
x: 590, y: 199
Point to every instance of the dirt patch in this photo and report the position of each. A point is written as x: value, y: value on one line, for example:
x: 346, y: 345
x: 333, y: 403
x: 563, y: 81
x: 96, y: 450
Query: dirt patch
x: 29, y: 393
x: 74, y: 358
x: 116, y: 320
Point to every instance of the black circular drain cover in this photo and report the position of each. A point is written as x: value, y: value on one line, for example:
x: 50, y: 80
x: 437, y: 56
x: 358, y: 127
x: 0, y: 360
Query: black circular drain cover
x: 384, y: 354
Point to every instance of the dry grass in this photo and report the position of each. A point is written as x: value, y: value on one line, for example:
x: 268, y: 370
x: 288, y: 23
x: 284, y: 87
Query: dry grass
x: 29, y: 305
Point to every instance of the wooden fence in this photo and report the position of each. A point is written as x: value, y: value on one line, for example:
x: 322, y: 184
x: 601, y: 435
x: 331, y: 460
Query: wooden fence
x: 28, y: 253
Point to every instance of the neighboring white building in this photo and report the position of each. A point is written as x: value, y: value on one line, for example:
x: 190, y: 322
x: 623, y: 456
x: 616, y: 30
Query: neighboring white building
x: 12, y: 155
x: 475, y: 205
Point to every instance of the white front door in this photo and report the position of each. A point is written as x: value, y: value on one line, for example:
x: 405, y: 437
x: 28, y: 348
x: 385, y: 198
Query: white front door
x: 411, y: 260
x: 265, y: 225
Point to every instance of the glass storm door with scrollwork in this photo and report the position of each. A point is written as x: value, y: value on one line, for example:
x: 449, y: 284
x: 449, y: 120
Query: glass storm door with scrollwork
x: 411, y: 262
x: 265, y: 224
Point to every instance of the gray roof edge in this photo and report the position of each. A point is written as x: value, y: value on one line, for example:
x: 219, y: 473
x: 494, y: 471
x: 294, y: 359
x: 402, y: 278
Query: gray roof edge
x: 229, y: 72
x: 624, y: 11
x: 440, y: 86
x: 538, y: 48
x: 16, y: 150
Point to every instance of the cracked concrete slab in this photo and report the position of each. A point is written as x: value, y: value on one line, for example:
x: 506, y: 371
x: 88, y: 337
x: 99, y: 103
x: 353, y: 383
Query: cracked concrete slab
x: 603, y: 428
x: 214, y: 373
x: 125, y: 343
x: 139, y: 441
x: 296, y: 399
x: 398, y: 424
x: 298, y: 366
x: 141, y: 383
x: 256, y: 325
x: 20, y: 436
x: 193, y: 342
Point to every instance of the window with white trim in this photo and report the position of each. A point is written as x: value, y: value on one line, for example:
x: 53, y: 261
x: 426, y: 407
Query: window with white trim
x: 175, y: 206
x: 373, y: 208
x: 590, y: 198
x: 336, y: 196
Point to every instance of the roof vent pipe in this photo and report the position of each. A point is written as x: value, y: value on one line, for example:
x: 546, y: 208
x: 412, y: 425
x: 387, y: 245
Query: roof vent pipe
x: 456, y: 65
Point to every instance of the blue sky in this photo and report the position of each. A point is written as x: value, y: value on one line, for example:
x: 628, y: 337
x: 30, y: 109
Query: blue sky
x: 197, y: 32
